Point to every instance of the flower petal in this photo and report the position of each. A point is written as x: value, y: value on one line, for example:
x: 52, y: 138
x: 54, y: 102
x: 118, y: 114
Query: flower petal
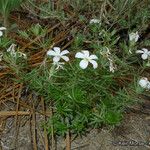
x: 94, y: 21
x: 65, y: 58
x: 83, y: 64
x: 2, y: 28
x: 79, y: 55
x: 139, y: 51
x: 148, y: 53
x: 94, y: 63
x: 131, y: 36
x: 11, y: 48
x: 148, y: 85
x: 64, y: 52
x: 143, y: 82
x: 56, y: 59
x: 51, y: 53
x: 86, y: 53
x: 144, y: 56
x: 1, y: 33
x: 57, y: 50
x: 137, y: 37
x: 134, y: 36
x: 145, y: 50
x: 93, y: 57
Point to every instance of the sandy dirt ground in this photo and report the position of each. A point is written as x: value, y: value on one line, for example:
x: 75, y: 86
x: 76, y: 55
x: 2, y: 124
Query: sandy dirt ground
x: 132, y: 134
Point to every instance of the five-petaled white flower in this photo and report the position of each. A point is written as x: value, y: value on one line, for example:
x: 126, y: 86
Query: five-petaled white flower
x: 1, y: 29
x: 95, y: 21
x: 87, y: 58
x: 134, y: 36
x: 145, y: 53
x: 57, y: 54
x: 144, y: 83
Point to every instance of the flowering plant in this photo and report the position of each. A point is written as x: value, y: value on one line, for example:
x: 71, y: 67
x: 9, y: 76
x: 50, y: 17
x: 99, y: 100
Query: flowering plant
x: 133, y: 37
x: 86, y: 59
x: 144, y: 83
x: 57, y: 54
x: 6, y: 6
x: 145, y: 54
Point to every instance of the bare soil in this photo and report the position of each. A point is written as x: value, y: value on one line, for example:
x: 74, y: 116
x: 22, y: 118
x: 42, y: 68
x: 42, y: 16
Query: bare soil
x: 132, y: 134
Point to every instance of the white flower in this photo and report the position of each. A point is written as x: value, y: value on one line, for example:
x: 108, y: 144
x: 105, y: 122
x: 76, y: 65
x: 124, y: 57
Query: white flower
x: 145, y: 53
x: 112, y: 67
x: 95, y: 21
x: 1, y: 29
x: 13, y: 53
x: 11, y: 50
x: 108, y: 55
x: 59, y: 65
x: 57, y: 54
x: 144, y: 83
x: 134, y: 36
x: 87, y: 58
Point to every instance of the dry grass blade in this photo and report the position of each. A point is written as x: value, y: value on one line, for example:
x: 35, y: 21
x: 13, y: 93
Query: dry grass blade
x: 34, y: 131
x: 68, y: 141
x: 45, y: 132
x: 24, y: 105
x: 13, y: 113
x: 8, y: 91
x: 17, y: 121
x: 33, y: 123
x: 52, y: 134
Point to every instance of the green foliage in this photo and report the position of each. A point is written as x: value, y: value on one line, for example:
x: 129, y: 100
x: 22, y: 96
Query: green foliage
x: 16, y: 63
x: 86, y: 98
x: 33, y: 32
x: 5, y: 42
x: 6, y: 6
x: 77, y: 100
